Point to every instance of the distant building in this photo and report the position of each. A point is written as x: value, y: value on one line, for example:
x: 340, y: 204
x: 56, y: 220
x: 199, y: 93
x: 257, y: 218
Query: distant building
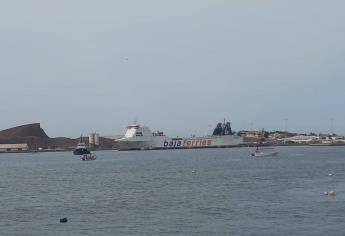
x: 14, y: 147
x: 301, y: 139
x: 93, y: 140
x: 253, y: 133
x: 252, y: 136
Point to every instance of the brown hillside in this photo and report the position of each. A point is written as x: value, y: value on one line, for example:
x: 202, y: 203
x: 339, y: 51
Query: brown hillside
x: 24, y: 131
x: 32, y: 134
x: 35, y: 137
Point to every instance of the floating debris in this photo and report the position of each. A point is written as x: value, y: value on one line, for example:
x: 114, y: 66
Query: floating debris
x: 330, y: 193
x: 63, y: 220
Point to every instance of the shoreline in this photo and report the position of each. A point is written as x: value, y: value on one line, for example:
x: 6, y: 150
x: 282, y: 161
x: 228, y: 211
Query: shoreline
x: 183, y: 148
x: 44, y: 151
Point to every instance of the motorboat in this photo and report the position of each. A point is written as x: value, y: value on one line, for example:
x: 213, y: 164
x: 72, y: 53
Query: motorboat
x: 264, y: 152
x: 88, y: 157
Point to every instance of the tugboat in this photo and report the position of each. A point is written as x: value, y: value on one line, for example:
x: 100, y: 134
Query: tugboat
x: 81, y: 148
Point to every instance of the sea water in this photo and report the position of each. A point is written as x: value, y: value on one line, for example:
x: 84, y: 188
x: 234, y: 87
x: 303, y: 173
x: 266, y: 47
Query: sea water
x: 174, y: 192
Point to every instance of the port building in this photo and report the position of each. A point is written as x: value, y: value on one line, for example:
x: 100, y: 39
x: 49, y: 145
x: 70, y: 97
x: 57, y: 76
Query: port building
x: 94, y: 140
x: 19, y: 147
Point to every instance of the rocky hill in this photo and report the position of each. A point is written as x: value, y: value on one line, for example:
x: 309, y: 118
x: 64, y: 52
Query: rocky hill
x: 32, y: 134
x: 35, y: 137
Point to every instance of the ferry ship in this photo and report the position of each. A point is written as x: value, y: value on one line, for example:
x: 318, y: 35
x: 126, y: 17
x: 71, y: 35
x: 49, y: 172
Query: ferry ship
x: 141, y: 138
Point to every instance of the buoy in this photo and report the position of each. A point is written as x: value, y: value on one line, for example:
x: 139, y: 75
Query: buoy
x: 63, y: 220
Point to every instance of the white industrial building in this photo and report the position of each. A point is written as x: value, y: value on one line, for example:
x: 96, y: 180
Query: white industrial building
x: 94, y: 140
x: 14, y: 147
x: 301, y: 139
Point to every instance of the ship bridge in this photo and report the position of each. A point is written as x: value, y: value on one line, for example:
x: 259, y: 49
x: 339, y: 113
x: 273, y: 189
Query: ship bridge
x: 137, y: 131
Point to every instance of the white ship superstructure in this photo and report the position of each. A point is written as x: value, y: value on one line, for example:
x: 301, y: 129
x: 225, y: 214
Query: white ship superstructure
x: 137, y: 137
x: 142, y: 138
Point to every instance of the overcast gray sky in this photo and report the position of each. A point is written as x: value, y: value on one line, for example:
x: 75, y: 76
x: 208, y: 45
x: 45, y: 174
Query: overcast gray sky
x: 179, y: 66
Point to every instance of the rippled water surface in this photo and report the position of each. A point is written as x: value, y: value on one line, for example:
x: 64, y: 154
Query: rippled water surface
x: 176, y: 192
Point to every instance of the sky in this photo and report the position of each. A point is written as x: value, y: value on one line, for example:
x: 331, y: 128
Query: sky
x: 182, y: 66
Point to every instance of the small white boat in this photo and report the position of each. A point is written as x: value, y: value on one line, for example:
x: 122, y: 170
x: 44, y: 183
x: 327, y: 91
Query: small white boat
x: 88, y: 157
x: 262, y: 153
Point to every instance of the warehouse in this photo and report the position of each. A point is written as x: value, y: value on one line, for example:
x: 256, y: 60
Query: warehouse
x: 14, y: 147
